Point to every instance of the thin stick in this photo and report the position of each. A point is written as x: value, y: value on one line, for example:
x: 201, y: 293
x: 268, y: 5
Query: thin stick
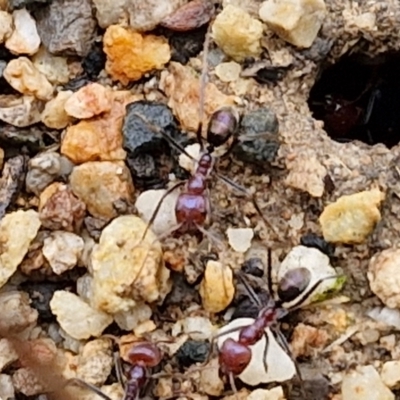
x: 82, y: 383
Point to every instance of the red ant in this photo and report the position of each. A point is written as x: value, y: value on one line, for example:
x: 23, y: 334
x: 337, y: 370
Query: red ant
x: 235, y: 355
x: 141, y: 356
x: 193, y: 204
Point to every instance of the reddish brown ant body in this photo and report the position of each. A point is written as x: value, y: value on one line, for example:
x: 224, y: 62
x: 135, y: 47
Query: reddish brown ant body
x: 235, y: 355
x: 140, y: 358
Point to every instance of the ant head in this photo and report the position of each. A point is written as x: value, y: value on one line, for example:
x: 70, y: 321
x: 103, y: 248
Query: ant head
x: 293, y: 283
x: 205, y: 161
x: 234, y: 357
x: 144, y: 353
x: 223, y: 124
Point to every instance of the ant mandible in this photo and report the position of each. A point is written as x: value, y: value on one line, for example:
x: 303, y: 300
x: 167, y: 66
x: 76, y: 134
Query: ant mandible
x: 235, y: 355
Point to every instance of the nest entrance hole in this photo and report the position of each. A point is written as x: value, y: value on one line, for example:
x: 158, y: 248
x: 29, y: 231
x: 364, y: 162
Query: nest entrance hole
x: 358, y: 98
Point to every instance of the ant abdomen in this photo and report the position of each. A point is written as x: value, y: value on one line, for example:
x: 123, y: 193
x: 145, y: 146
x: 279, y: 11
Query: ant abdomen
x: 293, y: 283
x: 223, y: 124
x: 144, y: 353
x: 234, y: 357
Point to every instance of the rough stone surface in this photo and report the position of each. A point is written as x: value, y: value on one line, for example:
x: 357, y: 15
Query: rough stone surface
x: 101, y: 185
x: 20, y: 111
x: 59, y: 209
x: 67, y: 27
x: 54, y: 68
x: 127, y: 269
x: 98, y: 139
x: 365, y: 383
x: 76, y: 317
x: 147, y: 202
x: 352, y: 218
x: 240, y: 238
x: 22, y: 75
x: 17, y: 230
x: 6, y: 25
x: 130, y: 55
x: 7, y: 390
x: 62, y: 250
x: 42, y: 170
x: 296, y: 21
x: 93, y: 99
x: 217, y: 289
x: 390, y: 374
x: 95, y: 362
x: 183, y: 91
x: 384, y: 276
x: 237, y: 33
x: 25, y: 38
x: 7, y: 354
x: 54, y: 114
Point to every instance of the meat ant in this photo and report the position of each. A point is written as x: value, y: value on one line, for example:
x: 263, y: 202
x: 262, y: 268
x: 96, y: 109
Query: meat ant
x: 192, y: 209
x: 140, y: 357
x: 235, y: 355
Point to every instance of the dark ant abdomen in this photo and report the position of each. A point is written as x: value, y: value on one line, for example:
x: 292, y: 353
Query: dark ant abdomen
x: 191, y: 210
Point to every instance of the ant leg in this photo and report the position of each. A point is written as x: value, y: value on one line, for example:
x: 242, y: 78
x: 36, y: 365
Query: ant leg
x: 157, y: 209
x: 210, y: 236
x: 250, y: 196
x: 118, y: 369
x: 269, y: 274
x: 285, y: 345
x: 168, y: 138
x: 308, y: 292
x: 232, y: 382
x: 82, y: 383
x: 250, y: 291
x: 265, y: 351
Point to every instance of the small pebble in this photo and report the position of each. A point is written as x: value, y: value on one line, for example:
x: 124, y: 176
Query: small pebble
x: 95, y: 361
x: 54, y: 114
x: 54, y: 68
x: 24, y: 38
x: 390, y: 374
x: 198, y: 328
x: 43, y: 169
x: 228, y: 71
x: 365, y: 383
x: 192, y: 352
x: 7, y: 354
x: 7, y: 391
x: 62, y: 250
x: 76, y: 317
x: 136, y: 266
x: 130, y: 54
x: 23, y: 76
x: 129, y: 320
x: 17, y: 230
x: 6, y: 25
x: 264, y: 394
x: 296, y: 21
x: 26, y: 382
x: 210, y: 381
x: 17, y: 316
x: 98, y: 139
x: 306, y: 173
x: 147, y: 202
x: 384, y: 276
x: 67, y: 27
x: 187, y: 163
x: 20, y: 111
x: 190, y: 16
x: 182, y: 88
x: 237, y: 33
x: 90, y: 100
x: 59, y: 209
x: 281, y: 367
x: 217, y: 289
x: 100, y: 185
x: 319, y: 266
x: 240, y: 238
x: 351, y: 219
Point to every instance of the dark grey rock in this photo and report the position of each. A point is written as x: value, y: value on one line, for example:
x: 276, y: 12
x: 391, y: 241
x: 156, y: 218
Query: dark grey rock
x: 67, y: 27
x: 192, y: 352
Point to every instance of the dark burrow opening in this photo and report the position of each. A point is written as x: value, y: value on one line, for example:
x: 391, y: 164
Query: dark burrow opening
x: 358, y: 98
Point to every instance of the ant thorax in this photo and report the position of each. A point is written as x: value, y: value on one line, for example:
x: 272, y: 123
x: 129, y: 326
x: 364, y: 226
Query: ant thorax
x: 280, y: 366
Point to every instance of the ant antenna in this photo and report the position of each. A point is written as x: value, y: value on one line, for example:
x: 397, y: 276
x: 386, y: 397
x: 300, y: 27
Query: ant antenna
x: 250, y: 291
x: 203, y: 79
